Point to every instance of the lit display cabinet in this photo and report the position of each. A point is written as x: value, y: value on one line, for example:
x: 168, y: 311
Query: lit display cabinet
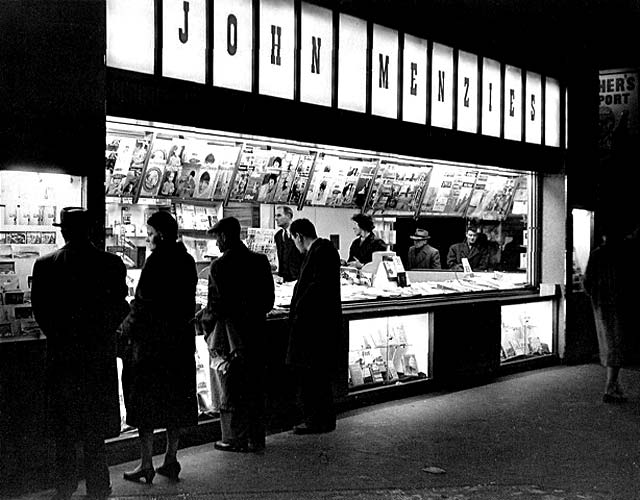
x: 526, y: 330
x: 389, y: 350
x: 31, y: 203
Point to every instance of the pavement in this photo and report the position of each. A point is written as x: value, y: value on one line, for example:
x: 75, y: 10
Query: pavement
x: 543, y: 434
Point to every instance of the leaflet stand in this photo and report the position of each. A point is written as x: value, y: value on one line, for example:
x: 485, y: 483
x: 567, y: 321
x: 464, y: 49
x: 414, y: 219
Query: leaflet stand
x: 388, y: 270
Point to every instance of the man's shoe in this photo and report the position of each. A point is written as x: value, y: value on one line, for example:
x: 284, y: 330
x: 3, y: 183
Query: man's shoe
x: 312, y: 429
x: 170, y: 470
x: 613, y: 398
x: 225, y: 446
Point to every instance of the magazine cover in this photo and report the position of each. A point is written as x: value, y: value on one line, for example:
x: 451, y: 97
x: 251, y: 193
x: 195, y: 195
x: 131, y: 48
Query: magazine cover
x: 263, y: 175
x: 126, y: 176
x: 192, y: 159
x: 286, y: 177
x: 118, y: 177
x: 383, y: 194
x: 365, y: 181
x: 496, y: 199
x: 321, y: 181
x: 151, y: 179
x: 337, y: 182
x: 262, y: 240
x: 204, y: 183
x: 222, y: 159
x: 301, y: 178
x: 520, y: 197
x: 410, y: 184
x: 173, y: 166
x: 450, y: 190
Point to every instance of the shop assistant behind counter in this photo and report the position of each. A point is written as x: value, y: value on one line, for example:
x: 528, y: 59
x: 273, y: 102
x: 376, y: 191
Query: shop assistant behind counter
x: 362, y: 248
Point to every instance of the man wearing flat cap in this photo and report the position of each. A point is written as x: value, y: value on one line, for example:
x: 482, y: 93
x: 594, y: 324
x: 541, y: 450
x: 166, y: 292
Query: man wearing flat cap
x: 421, y: 254
x: 78, y: 298
x: 241, y: 293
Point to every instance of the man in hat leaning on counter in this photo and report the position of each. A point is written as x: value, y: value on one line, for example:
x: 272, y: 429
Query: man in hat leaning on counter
x: 421, y: 254
x: 78, y: 298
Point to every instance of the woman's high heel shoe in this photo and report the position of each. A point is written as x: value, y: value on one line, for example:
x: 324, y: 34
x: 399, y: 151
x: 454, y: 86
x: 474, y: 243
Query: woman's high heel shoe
x: 170, y: 470
x: 136, y: 475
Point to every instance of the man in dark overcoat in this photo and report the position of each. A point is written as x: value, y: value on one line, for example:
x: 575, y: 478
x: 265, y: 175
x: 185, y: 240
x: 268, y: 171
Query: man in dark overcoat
x: 422, y: 255
x: 289, y: 259
x: 241, y: 293
x: 470, y: 248
x: 78, y: 298
x: 315, y: 319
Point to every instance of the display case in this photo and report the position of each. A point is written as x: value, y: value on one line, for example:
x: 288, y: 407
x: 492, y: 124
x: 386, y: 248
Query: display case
x: 526, y: 330
x: 31, y: 202
x: 389, y: 350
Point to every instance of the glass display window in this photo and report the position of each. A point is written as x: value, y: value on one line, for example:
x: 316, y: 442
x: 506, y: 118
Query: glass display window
x: 30, y: 204
x: 327, y: 184
x: 389, y: 350
x: 527, y: 330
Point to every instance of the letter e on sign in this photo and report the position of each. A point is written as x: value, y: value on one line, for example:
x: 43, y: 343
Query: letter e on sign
x: 414, y: 78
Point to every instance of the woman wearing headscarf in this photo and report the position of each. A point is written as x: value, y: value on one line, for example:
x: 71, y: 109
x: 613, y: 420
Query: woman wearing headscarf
x: 159, y: 375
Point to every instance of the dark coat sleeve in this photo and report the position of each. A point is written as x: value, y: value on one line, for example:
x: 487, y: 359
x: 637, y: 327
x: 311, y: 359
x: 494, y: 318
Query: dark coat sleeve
x: 453, y: 257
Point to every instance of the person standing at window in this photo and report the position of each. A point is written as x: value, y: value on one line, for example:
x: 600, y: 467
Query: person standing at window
x: 289, y: 258
x: 159, y: 369
x: 78, y: 297
x: 315, y: 318
x: 241, y: 293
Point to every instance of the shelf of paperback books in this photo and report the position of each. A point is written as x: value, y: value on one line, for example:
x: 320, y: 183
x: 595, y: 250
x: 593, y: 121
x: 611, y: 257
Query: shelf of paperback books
x: 388, y: 350
x: 30, y: 203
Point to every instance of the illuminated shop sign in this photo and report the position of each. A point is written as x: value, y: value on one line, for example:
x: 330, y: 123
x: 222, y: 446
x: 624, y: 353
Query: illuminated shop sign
x: 491, y: 97
x: 233, y: 44
x: 306, y: 45
x: 184, y: 40
x: 277, y: 48
x: 316, y: 54
x: 414, y: 80
x: 533, y: 108
x: 352, y: 64
x: 384, y: 72
x: 512, y: 103
x: 442, y: 86
x: 467, y: 117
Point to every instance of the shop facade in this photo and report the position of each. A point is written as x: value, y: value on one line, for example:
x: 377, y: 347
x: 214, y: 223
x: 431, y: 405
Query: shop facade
x: 345, y: 115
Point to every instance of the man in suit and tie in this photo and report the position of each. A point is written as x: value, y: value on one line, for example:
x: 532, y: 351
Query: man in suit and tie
x: 289, y: 259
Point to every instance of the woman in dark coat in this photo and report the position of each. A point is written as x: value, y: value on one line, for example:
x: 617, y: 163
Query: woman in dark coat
x: 159, y: 376
x: 605, y: 283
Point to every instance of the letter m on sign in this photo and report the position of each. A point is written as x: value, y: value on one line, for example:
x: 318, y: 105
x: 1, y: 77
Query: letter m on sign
x: 383, y: 79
